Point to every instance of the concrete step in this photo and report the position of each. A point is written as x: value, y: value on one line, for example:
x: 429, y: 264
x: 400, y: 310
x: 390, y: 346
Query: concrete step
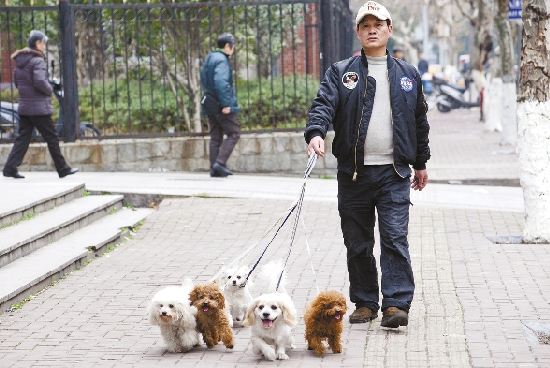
x: 20, y: 198
x: 32, y: 273
x: 27, y: 236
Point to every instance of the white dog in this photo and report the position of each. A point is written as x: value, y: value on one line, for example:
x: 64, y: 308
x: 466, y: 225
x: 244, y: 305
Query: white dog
x: 237, y: 292
x: 271, y: 317
x: 170, y: 309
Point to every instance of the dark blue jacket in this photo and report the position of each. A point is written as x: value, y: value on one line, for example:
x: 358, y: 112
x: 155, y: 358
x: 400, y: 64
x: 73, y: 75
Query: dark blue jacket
x: 348, y: 107
x: 217, y: 78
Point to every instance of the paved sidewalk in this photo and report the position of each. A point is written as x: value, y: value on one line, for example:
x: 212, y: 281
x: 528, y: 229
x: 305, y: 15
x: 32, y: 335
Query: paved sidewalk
x: 472, y: 296
x: 96, y: 317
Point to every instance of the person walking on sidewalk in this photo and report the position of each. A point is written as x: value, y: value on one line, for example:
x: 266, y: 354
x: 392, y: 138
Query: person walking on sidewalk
x: 217, y: 81
x: 35, y: 107
x: 378, y: 111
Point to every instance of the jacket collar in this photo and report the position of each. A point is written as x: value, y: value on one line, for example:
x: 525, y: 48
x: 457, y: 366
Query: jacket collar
x: 221, y: 52
x: 391, y: 62
x: 27, y: 50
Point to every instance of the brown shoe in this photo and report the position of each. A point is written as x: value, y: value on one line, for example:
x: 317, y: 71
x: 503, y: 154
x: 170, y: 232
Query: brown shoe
x: 362, y: 315
x: 393, y: 317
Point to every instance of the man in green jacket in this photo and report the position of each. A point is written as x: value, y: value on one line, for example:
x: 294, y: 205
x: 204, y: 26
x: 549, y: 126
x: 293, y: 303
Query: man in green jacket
x: 217, y: 82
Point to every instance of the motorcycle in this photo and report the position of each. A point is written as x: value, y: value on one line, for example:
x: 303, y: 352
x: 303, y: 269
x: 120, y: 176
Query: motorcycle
x: 451, y: 97
x: 9, y: 118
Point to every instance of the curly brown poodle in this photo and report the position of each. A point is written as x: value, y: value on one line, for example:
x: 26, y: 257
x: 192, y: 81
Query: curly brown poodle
x: 212, y: 320
x: 323, y: 318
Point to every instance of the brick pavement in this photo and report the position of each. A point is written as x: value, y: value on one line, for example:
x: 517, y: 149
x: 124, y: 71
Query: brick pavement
x: 471, y: 298
x: 499, y: 286
x: 96, y: 316
x: 462, y: 150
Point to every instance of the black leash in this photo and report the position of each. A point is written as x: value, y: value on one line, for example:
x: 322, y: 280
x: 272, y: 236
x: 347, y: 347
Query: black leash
x: 295, y: 205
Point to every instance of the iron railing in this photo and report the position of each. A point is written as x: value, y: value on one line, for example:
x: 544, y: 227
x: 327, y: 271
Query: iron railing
x: 137, y: 65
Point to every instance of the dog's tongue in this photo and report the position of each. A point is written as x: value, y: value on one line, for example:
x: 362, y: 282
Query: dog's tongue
x: 267, y: 323
x: 337, y: 316
x: 205, y: 309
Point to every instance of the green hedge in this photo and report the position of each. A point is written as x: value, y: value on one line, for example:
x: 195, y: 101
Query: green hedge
x: 109, y: 108
x: 283, y: 103
x: 115, y: 108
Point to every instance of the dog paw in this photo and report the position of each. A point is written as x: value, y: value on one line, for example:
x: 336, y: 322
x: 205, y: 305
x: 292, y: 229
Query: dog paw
x: 282, y: 356
x: 229, y: 346
x: 270, y: 355
x: 309, y: 348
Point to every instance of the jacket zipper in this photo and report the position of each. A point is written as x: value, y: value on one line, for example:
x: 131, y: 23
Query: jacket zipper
x: 359, y: 127
x: 391, y: 118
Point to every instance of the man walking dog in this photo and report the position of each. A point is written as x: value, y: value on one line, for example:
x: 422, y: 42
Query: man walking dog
x: 376, y: 105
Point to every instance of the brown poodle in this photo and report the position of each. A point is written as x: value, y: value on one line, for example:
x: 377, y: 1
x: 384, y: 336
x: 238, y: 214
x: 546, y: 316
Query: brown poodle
x: 212, y: 319
x: 323, y: 318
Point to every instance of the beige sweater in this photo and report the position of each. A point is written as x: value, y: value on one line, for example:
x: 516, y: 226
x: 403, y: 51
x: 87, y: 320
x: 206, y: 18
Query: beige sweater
x: 379, y: 141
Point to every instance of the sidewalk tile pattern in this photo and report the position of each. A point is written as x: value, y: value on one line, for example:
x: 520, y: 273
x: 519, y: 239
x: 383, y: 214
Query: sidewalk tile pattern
x: 499, y: 286
x: 97, y: 315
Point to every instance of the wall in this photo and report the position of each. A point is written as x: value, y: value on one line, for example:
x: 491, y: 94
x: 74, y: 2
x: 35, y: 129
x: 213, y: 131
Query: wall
x: 254, y: 153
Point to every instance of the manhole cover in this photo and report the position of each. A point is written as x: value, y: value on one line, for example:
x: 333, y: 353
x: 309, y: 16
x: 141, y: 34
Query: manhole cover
x: 536, y: 333
x: 506, y: 239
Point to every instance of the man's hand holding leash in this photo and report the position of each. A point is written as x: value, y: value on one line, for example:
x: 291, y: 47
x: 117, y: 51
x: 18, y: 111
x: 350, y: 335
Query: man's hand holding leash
x: 317, y: 145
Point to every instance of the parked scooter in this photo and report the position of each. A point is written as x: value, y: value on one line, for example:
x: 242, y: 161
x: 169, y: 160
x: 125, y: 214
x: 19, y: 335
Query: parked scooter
x: 451, y: 97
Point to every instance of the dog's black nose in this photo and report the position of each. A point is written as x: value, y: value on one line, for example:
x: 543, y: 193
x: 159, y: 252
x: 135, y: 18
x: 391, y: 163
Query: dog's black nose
x: 205, y: 303
x: 234, y: 282
x: 265, y: 314
x: 337, y: 310
x: 163, y: 313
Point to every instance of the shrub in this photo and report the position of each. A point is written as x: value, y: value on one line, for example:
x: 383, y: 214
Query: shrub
x: 133, y: 107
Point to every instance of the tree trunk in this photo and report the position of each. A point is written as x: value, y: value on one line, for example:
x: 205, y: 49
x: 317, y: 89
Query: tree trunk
x: 508, y: 105
x: 481, y: 29
x: 533, y: 121
x: 492, y: 100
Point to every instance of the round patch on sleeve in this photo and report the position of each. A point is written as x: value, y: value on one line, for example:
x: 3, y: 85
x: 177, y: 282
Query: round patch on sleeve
x: 350, y: 79
x: 406, y: 83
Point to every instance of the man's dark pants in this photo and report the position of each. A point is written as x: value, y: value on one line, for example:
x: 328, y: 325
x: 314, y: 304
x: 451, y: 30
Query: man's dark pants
x: 228, y: 124
x: 381, y: 188
x: 46, y: 127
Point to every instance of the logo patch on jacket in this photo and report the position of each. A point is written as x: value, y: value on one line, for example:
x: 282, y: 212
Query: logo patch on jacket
x: 406, y: 83
x: 350, y: 79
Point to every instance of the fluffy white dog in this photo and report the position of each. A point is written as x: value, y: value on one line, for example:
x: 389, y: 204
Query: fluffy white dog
x: 271, y: 317
x: 170, y: 309
x: 237, y: 292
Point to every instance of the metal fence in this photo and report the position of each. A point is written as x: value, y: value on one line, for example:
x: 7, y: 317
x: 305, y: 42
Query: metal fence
x: 136, y: 67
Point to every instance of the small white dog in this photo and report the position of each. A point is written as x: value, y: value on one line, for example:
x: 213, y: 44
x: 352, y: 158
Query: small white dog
x: 237, y: 292
x: 170, y: 309
x: 271, y: 317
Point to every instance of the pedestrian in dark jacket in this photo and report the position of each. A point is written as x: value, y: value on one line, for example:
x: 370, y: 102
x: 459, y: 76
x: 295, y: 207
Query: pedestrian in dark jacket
x: 35, y: 106
x: 376, y: 105
x: 217, y: 82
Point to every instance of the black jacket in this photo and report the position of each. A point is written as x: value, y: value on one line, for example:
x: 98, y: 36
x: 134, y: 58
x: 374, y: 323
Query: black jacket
x: 349, y: 109
x: 31, y: 79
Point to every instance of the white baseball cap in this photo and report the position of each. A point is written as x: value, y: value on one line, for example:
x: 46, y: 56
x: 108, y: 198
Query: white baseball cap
x: 373, y: 8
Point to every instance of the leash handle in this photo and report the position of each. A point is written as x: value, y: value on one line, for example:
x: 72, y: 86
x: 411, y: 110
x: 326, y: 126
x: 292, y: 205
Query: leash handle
x: 310, y: 164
